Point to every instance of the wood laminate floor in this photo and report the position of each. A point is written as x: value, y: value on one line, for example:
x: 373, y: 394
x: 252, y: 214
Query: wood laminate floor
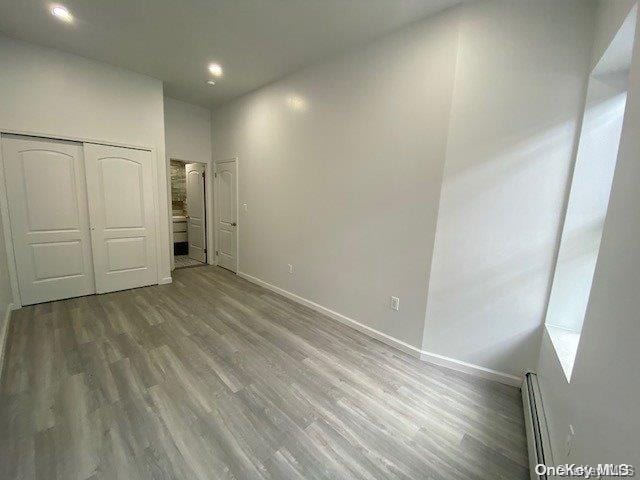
x: 212, y: 377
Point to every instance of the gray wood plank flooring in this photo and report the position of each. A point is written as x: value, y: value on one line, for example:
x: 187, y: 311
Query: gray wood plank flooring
x: 212, y: 377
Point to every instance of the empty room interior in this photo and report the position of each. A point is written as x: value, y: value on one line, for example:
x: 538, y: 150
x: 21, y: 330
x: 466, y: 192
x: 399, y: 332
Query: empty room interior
x: 337, y: 239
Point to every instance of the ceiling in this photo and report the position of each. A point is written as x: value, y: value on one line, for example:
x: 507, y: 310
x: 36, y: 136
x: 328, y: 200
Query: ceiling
x: 255, y: 41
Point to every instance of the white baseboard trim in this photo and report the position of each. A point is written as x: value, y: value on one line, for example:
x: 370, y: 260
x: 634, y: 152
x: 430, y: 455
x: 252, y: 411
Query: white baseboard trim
x: 4, y: 333
x: 470, y: 368
x: 423, y: 355
x: 383, y: 337
x: 165, y: 281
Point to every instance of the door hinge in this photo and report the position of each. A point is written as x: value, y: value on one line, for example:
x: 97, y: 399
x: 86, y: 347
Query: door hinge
x: 216, y: 252
x: 202, y: 174
x: 205, y: 251
x: 215, y: 175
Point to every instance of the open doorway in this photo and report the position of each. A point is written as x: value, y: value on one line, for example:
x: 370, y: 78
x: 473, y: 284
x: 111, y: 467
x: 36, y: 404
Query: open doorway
x: 189, y: 213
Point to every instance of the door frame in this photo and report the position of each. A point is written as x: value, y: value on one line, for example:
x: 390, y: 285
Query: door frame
x: 4, y: 203
x: 215, y: 217
x: 208, y: 214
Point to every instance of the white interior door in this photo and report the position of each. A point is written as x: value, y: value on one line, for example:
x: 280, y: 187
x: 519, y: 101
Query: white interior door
x: 196, y: 230
x: 49, y: 220
x: 122, y: 213
x: 226, y: 215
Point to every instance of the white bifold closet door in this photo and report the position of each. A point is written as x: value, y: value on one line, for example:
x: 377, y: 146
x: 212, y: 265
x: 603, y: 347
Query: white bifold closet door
x: 82, y: 217
x: 49, y: 221
x: 122, y: 212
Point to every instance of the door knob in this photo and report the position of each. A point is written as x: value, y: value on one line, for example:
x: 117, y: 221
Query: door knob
x: 234, y: 224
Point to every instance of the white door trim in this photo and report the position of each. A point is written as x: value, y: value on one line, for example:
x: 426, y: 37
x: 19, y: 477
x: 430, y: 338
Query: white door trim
x: 215, y: 219
x: 8, y: 236
x: 69, y: 138
x: 208, y: 199
x: 4, y: 202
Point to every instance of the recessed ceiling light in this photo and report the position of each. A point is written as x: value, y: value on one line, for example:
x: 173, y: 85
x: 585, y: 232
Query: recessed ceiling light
x: 62, y: 13
x: 297, y: 103
x: 215, y: 69
x: 211, y: 83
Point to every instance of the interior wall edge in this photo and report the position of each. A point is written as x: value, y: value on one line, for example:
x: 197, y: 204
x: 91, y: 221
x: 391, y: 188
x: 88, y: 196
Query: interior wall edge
x: 470, y: 314
x: 4, y: 334
x: 610, y: 15
x: 7, y: 234
x: 423, y: 355
x: 563, y: 213
x: 456, y: 73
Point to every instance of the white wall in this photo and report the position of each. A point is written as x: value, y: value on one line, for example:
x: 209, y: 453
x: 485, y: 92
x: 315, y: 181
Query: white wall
x: 340, y: 167
x: 188, y: 138
x: 601, y: 399
x: 47, y: 92
x: 610, y: 15
x: 187, y: 131
x: 520, y: 78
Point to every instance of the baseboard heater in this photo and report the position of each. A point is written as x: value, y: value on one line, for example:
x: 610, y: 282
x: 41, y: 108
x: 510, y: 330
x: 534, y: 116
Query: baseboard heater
x: 538, y: 440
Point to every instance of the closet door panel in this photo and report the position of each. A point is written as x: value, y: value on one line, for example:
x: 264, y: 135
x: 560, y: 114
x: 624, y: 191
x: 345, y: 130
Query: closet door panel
x: 122, y: 212
x: 49, y: 219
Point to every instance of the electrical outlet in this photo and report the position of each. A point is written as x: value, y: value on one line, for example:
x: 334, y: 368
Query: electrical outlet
x: 569, y: 441
x: 395, y: 303
x: 290, y: 268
